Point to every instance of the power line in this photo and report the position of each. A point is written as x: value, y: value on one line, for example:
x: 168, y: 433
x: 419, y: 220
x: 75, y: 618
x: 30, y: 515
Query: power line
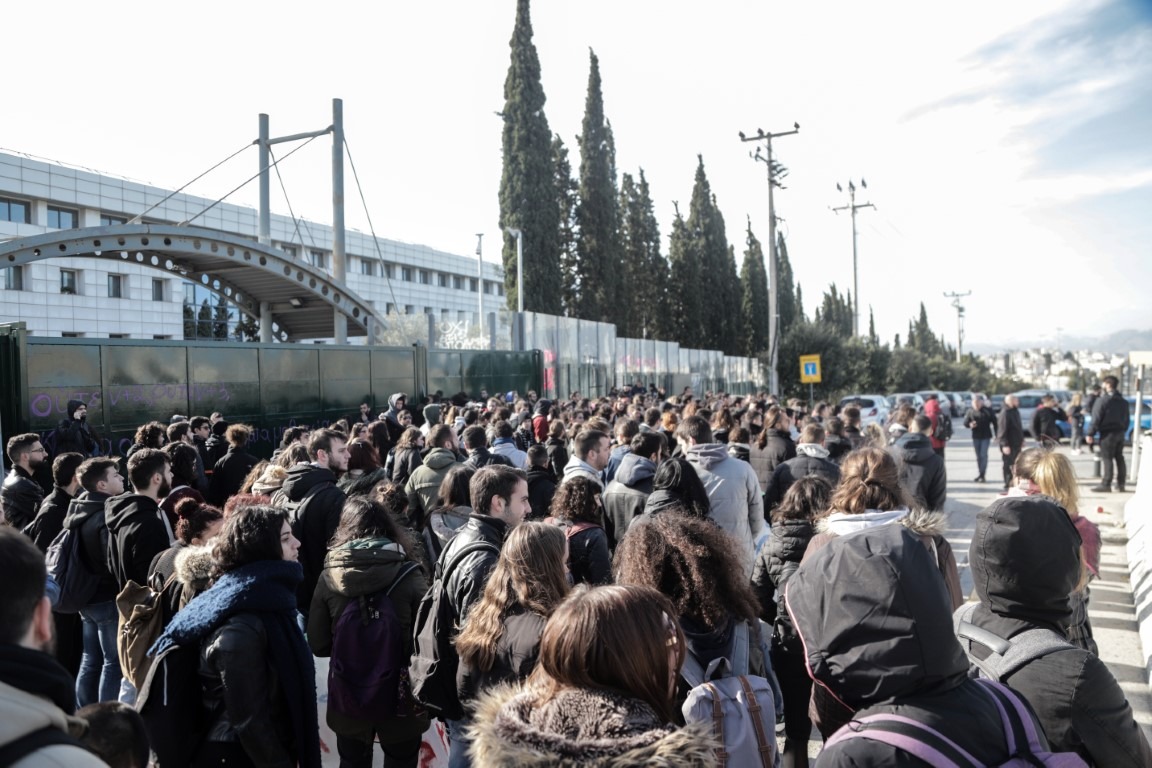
x: 853, y: 207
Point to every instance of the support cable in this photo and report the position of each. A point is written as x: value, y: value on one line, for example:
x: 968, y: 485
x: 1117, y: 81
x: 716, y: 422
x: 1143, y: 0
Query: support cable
x: 172, y: 194
x: 371, y: 229
x: 284, y: 189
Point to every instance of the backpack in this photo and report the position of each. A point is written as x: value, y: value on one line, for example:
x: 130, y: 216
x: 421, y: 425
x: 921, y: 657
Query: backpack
x: 48, y: 736
x: 1026, y: 743
x: 140, y: 625
x: 943, y: 426
x: 367, y: 658
x: 434, y: 659
x: 66, y: 567
x: 1007, y: 655
x: 740, y: 707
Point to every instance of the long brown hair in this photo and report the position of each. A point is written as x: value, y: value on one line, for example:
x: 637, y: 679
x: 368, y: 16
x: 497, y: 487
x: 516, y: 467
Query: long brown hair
x: 613, y: 638
x: 367, y: 518
x: 692, y: 561
x: 529, y: 574
x: 869, y: 479
x: 774, y: 418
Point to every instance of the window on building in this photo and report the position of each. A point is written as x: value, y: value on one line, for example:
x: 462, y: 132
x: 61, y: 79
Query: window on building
x: 158, y: 289
x: 318, y: 259
x: 390, y: 271
x: 108, y: 220
x: 368, y: 267
x: 71, y: 335
x: 441, y: 279
x: 19, y: 211
x: 389, y: 308
x: 289, y: 249
x: 473, y: 284
x: 14, y: 279
x: 499, y: 289
x: 116, y: 286
x: 458, y: 282
x: 62, y: 218
x: 429, y: 311
x: 161, y: 336
x: 406, y: 274
x: 461, y: 316
x: 445, y: 316
x: 69, y: 282
x: 425, y: 277
x: 119, y: 336
x: 409, y: 309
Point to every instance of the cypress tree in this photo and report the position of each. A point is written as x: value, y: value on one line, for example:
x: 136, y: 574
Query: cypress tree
x: 709, y: 248
x: 597, y: 214
x: 565, y: 191
x: 528, y: 198
x: 652, y: 307
x: 754, y: 304
x: 786, y: 301
x: 684, y: 302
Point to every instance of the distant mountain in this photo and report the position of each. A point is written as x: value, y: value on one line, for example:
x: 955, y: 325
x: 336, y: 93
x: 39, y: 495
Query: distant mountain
x: 1118, y: 342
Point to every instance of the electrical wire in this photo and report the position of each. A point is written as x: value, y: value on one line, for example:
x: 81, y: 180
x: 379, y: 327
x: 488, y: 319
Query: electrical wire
x: 172, y: 194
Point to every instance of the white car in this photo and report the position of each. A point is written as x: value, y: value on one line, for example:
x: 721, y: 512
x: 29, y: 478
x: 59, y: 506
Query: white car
x: 873, y: 408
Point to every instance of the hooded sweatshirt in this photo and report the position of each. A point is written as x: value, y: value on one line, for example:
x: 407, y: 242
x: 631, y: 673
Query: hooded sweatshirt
x: 137, y: 532
x: 734, y: 493
x: 423, y: 485
x: 315, y: 521
x: 74, y: 435
x: 431, y: 418
x: 625, y: 496
x: 922, y: 472
x: 86, y: 517
x: 1025, y: 561
x: 872, y: 612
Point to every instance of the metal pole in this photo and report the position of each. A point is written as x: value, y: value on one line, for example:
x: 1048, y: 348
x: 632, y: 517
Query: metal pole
x: 773, y: 299
x: 338, y: 260
x: 265, y: 234
x: 1137, y: 432
x: 855, y: 270
x: 479, y: 285
x: 519, y: 270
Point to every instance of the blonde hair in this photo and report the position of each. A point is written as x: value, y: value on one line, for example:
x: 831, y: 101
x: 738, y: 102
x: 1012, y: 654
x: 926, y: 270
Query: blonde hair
x: 1055, y: 477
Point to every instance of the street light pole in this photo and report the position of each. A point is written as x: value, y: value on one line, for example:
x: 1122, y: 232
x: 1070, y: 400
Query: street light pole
x: 855, y: 271
x: 519, y: 235
x: 959, y: 320
x: 480, y: 284
x: 773, y: 299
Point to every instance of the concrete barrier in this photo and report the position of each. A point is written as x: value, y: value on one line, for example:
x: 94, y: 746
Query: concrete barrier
x: 1138, y: 523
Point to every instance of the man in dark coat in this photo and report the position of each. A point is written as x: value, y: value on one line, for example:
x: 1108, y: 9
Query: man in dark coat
x: 137, y: 528
x: 476, y: 443
x: 922, y: 472
x: 1025, y: 559
x: 231, y: 469
x: 21, y: 495
x: 981, y: 421
x: 1110, y: 420
x: 625, y: 496
x: 73, y: 435
x: 541, y: 482
x: 812, y: 458
x: 1010, y: 435
x: 1045, y: 430
x: 50, y: 518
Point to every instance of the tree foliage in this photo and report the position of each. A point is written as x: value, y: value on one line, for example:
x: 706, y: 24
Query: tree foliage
x: 644, y: 271
x: 685, y: 307
x: 566, y: 191
x: 754, y: 302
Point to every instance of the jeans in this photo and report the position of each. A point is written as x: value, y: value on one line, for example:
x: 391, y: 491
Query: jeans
x: 1112, y: 448
x: 981, y: 445
x: 457, y: 744
x: 358, y: 754
x: 99, y: 676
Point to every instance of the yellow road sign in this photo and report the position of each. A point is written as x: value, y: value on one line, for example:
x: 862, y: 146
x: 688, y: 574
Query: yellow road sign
x: 810, y: 369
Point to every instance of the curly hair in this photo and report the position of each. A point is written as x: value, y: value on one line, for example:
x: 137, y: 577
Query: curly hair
x: 194, y: 518
x: 409, y: 438
x: 251, y: 533
x: 530, y: 574
x: 869, y: 479
x: 151, y: 435
x: 182, y: 458
x: 576, y: 501
x: 692, y: 561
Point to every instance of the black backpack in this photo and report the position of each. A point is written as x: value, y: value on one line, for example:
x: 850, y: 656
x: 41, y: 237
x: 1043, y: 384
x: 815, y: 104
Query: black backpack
x: 172, y: 705
x: 434, y: 659
x: 943, y: 426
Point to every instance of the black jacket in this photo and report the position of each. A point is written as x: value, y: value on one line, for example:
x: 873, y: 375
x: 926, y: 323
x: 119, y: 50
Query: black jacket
x: 778, y: 448
x: 981, y: 421
x: 136, y: 534
x: 20, y: 497
x: 872, y: 611
x: 86, y: 515
x: 50, y: 519
x: 1009, y: 430
x: 516, y: 653
x: 1025, y: 561
x: 478, y: 458
x: 74, y: 436
x: 625, y: 496
x: 467, y: 580
x: 588, y: 558
x: 1044, y: 423
x: 313, y: 522
x: 541, y: 489
x: 779, y: 558
x: 557, y: 455
x: 922, y: 472
x: 837, y: 447
x: 787, y: 473
x: 1110, y: 414
x: 229, y: 473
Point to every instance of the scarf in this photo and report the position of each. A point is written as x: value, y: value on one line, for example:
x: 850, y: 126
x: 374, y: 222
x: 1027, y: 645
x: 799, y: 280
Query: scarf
x: 843, y: 523
x: 39, y: 674
x: 815, y: 450
x: 266, y: 589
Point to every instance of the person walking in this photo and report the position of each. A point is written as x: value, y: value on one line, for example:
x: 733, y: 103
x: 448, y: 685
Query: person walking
x: 1110, y: 420
x: 1010, y: 435
x: 982, y: 421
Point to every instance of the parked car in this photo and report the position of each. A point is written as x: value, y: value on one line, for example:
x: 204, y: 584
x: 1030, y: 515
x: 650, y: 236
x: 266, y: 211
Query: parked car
x: 944, y: 400
x: 996, y: 402
x: 873, y: 408
x: 1145, y: 418
x: 911, y: 398
x: 962, y: 402
x: 1029, y: 402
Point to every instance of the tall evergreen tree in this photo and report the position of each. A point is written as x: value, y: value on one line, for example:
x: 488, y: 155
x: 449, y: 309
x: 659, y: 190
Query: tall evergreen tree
x: 787, y: 295
x: 709, y: 248
x: 528, y: 199
x: 597, y: 214
x: 872, y: 337
x: 801, y: 317
x: 654, y: 284
x: 565, y: 190
x: 754, y: 304
x: 685, y: 307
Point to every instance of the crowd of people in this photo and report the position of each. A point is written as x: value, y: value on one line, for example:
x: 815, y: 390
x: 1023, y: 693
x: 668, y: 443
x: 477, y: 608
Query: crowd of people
x: 552, y: 581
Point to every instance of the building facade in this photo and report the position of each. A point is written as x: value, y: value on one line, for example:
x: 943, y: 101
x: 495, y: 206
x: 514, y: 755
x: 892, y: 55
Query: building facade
x: 88, y: 297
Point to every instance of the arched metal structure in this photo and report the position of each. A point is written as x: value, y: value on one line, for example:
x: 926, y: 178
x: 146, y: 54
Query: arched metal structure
x: 299, y: 298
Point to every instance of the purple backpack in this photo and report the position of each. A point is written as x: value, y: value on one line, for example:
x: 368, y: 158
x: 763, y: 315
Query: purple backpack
x: 1026, y: 744
x: 368, y: 660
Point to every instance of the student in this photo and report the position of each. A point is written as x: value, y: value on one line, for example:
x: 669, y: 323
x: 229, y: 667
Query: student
x: 116, y: 734
x: 578, y: 504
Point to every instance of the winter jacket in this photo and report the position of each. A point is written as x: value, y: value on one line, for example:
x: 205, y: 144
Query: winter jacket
x: 1110, y: 414
x: 540, y: 420
x: 838, y: 447
x: 314, y: 521
x: 229, y: 473
x: 706, y: 645
x: 358, y: 568
x: 20, y: 497
x: 86, y: 516
x: 193, y: 571
x: 541, y: 489
x: 478, y: 458
x: 403, y: 463
x: 922, y: 472
x: 517, y: 727
x: 216, y: 446
x: 778, y: 560
x: 577, y: 467
x: 49, y: 520
x: 588, y: 558
x: 1009, y: 431
x: 734, y: 494
x: 467, y: 580
x: 74, y: 436
x: 787, y: 473
x: 614, y: 458
x: 423, y: 486
x: 506, y: 447
x: 778, y: 448
x: 136, y: 534
x: 932, y: 411
x: 441, y: 528
x: 1025, y: 559
x: 981, y: 421
x: 517, y: 651
x: 872, y: 612
x: 1044, y: 427
x: 557, y: 455
x: 625, y: 496
x: 37, y: 693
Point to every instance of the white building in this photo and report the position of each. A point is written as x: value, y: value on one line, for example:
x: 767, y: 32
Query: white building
x: 100, y: 298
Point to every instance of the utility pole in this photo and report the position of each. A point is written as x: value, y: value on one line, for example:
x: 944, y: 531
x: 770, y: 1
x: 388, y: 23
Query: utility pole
x: 774, y: 170
x: 480, y: 284
x: 959, y: 320
x: 853, y: 207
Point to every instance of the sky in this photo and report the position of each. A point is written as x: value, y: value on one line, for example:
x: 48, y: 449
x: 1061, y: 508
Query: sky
x: 1007, y: 147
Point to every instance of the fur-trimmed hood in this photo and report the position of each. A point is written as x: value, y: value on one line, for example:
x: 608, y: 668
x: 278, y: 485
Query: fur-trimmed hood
x: 919, y: 521
x: 194, y: 564
x: 514, y: 726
